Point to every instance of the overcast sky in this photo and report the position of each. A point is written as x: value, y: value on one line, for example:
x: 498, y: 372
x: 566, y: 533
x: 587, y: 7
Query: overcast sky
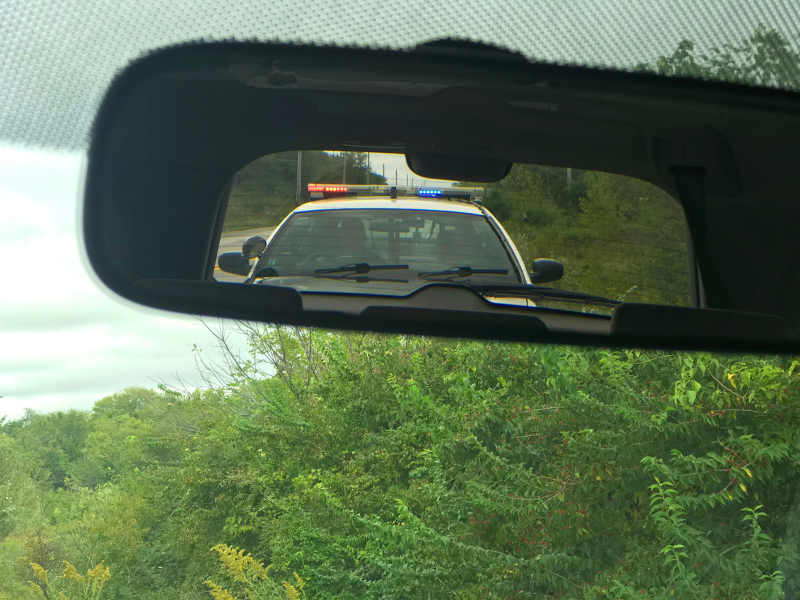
x: 394, y: 168
x: 64, y: 342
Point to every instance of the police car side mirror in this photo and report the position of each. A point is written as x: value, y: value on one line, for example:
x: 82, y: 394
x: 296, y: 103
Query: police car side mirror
x: 546, y: 270
x: 254, y: 246
x: 235, y: 263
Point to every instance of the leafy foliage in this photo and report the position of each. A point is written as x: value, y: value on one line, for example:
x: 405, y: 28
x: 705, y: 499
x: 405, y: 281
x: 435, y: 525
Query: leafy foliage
x: 391, y: 467
x: 617, y: 237
x: 265, y: 191
x: 76, y: 586
x: 765, y: 58
x: 252, y: 578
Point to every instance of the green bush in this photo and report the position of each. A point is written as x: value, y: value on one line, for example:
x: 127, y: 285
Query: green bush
x: 392, y: 467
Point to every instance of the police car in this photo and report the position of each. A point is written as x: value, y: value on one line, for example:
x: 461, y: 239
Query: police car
x: 391, y: 242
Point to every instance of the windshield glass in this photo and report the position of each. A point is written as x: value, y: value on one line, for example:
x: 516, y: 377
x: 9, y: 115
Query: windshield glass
x: 308, y: 464
x: 423, y: 241
x: 51, y: 98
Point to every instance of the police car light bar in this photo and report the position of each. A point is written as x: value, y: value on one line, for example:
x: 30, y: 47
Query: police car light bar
x: 316, y: 187
x: 319, y: 191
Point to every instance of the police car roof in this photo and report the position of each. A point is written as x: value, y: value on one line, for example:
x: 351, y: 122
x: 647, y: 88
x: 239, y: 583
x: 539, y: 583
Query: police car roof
x: 382, y: 202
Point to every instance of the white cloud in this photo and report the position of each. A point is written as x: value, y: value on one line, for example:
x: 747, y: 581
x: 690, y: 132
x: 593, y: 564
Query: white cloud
x: 64, y: 342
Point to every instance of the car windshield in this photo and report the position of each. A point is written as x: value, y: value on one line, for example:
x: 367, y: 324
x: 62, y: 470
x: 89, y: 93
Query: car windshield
x: 148, y: 456
x: 423, y: 241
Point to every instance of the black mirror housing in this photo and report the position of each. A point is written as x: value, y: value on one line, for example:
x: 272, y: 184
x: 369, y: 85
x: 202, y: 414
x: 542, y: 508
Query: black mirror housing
x: 458, y: 168
x: 235, y: 263
x: 546, y: 270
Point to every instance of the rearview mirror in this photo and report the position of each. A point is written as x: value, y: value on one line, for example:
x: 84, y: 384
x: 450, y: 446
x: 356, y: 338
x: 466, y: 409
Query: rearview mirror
x: 672, y: 196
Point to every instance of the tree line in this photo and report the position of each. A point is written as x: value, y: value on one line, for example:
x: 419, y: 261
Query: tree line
x: 266, y: 190
x: 337, y: 465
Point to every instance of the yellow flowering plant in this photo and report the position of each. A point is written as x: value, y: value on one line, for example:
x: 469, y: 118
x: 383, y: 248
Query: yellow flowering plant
x: 70, y: 585
x: 251, y: 579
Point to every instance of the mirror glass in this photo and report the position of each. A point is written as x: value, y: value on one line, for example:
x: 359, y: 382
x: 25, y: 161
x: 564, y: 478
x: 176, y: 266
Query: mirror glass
x: 333, y: 226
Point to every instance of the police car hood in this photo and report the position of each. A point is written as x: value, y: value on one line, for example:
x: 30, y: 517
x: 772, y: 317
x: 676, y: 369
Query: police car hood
x: 404, y: 286
x: 377, y: 284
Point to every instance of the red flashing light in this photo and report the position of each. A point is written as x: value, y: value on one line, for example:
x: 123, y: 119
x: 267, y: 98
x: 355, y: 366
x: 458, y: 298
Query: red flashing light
x: 315, y: 187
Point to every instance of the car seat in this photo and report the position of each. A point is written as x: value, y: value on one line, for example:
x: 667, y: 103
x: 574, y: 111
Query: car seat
x: 350, y: 237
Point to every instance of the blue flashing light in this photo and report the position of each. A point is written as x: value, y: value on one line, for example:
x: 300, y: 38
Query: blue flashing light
x: 429, y: 193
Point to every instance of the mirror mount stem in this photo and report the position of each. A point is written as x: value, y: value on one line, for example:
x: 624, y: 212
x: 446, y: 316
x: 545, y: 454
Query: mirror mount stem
x: 690, y: 182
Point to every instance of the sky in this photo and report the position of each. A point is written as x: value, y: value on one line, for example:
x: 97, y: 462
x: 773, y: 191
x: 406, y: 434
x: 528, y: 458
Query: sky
x: 65, y: 342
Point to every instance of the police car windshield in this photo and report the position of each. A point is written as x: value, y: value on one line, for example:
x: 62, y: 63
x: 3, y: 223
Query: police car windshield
x: 424, y: 240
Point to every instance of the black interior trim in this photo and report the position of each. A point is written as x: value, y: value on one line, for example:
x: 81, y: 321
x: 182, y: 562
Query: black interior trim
x: 442, y: 322
x: 216, y: 233
x: 198, y: 296
x: 282, y: 305
x: 695, y: 293
x: 681, y: 322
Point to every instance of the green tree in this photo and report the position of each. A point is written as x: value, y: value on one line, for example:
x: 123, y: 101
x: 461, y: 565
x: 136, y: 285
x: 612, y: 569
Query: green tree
x: 57, y: 440
x: 765, y: 58
x: 265, y: 191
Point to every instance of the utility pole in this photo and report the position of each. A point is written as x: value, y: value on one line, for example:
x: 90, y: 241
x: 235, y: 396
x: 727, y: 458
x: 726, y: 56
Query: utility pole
x: 344, y: 167
x: 368, y: 167
x: 299, y: 176
x: 395, y: 178
x: 569, y: 177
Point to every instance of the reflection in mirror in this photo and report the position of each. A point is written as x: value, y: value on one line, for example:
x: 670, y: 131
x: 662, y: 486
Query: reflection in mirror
x: 334, y: 225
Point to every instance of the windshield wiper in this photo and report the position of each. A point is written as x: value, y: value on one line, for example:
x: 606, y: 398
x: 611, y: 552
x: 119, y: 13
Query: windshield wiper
x: 358, y: 268
x: 359, y: 278
x: 553, y: 294
x: 461, y: 272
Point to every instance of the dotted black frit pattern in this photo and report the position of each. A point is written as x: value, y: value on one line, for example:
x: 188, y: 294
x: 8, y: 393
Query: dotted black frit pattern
x: 58, y: 56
